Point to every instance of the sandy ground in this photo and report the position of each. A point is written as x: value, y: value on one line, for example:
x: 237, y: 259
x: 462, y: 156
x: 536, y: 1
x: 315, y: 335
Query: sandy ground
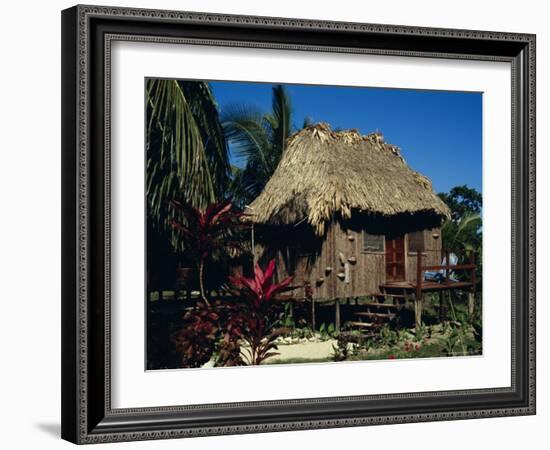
x: 305, y: 350
x: 313, y: 350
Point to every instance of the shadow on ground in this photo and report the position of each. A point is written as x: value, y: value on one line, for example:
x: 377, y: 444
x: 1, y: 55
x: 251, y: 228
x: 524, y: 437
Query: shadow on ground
x: 53, y: 429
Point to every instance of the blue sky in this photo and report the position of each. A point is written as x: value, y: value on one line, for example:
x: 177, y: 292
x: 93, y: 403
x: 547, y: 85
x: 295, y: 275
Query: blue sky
x: 439, y: 132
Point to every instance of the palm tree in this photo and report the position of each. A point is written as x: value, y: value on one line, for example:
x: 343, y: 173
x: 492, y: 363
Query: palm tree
x: 259, y: 139
x: 463, y: 234
x: 187, y: 154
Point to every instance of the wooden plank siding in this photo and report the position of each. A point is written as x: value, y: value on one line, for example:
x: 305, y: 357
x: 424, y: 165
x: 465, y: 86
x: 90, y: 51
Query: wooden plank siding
x: 366, y: 274
x: 432, y: 253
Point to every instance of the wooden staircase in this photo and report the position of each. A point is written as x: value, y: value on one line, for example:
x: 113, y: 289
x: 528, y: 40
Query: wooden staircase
x: 375, y: 314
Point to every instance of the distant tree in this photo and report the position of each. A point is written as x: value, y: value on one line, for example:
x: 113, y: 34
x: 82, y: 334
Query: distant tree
x: 462, y: 200
x: 463, y: 231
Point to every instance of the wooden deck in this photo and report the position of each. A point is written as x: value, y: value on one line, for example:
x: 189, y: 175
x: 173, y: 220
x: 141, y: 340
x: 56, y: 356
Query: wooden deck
x: 426, y: 286
x: 417, y: 288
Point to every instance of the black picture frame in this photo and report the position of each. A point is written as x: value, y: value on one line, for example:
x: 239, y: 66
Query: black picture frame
x: 87, y: 416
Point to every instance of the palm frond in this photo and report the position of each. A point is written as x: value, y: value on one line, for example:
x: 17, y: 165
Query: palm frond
x: 205, y: 111
x: 246, y: 129
x: 280, y: 120
x: 187, y: 154
x: 468, y: 222
x: 462, y: 234
x: 259, y: 140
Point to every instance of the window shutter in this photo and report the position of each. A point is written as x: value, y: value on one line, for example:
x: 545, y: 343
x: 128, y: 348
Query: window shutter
x: 373, y: 242
x: 416, y: 241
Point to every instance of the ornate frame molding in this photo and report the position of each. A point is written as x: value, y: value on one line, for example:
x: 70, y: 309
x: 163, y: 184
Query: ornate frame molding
x: 87, y: 422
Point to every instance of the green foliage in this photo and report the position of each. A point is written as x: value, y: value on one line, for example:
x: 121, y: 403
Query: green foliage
x: 455, y: 343
x: 302, y: 333
x: 327, y: 332
x: 187, y: 155
x: 420, y: 333
x: 341, y: 349
x: 462, y: 201
x: 286, y: 319
x: 449, y: 340
x: 463, y: 231
x: 388, y: 336
x: 465, y: 234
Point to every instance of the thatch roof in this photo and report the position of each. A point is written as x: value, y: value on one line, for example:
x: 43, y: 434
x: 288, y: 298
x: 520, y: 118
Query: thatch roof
x: 324, y: 174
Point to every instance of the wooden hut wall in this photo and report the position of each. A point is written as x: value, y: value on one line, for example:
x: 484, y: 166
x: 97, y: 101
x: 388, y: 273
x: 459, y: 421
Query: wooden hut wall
x: 313, y: 268
x: 432, y: 251
x: 325, y: 271
x: 366, y: 269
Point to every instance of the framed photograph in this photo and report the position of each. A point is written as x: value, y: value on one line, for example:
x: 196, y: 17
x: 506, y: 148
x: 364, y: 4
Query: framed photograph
x: 283, y: 224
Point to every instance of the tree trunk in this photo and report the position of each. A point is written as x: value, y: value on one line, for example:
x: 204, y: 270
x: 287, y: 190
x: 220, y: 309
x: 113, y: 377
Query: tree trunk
x: 201, y: 283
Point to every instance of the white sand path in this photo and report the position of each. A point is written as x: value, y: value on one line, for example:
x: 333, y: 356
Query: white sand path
x: 304, y: 350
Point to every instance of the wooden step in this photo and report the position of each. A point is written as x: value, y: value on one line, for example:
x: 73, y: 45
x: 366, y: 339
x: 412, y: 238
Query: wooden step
x: 381, y: 305
x: 371, y: 314
x: 362, y: 324
x: 390, y: 295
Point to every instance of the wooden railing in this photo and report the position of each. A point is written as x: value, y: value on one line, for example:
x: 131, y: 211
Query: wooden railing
x: 447, y: 268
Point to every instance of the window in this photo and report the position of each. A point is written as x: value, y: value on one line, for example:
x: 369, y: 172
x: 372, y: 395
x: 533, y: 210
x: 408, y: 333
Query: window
x: 416, y: 241
x: 373, y: 242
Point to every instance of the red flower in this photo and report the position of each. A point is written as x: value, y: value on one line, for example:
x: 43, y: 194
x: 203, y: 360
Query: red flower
x: 391, y: 357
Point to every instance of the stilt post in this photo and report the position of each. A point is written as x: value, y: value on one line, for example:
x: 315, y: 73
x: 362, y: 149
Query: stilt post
x: 337, y: 314
x: 443, y: 306
x: 313, y: 314
x: 309, y: 296
x: 447, y: 266
x: 418, y: 293
x: 472, y: 293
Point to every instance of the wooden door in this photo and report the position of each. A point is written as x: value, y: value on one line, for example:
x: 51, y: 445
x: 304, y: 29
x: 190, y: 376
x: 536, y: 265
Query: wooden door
x: 395, y: 259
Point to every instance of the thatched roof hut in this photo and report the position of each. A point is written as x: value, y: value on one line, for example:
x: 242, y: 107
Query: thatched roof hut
x: 325, y: 174
x: 344, y: 213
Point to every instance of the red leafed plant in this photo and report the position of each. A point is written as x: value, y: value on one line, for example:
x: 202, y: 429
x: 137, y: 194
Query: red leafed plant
x: 259, y: 295
x: 207, y: 329
x: 196, y: 340
x: 206, y: 231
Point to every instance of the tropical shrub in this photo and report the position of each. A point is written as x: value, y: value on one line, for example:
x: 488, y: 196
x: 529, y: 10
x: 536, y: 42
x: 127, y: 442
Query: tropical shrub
x: 210, y: 331
x: 341, y: 349
x: 206, y: 232
x: 258, y: 307
x: 229, y: 347
x: 197, y: 339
